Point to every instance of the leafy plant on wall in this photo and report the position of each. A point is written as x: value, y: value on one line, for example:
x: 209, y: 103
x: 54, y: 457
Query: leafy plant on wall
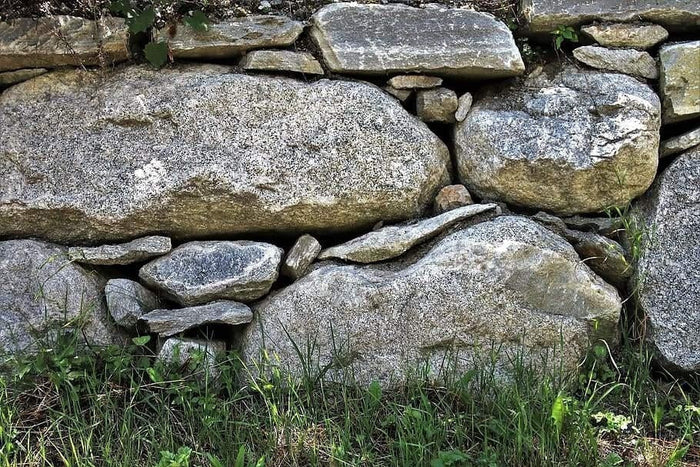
x: 143, y: 20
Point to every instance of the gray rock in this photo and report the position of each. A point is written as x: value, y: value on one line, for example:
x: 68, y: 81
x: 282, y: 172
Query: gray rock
x: 668, y: 272
x: 282, y: 60
x: 9, y: 78
x: 414, y: 82
x: 134, y: 251
x: 628, y: 61
x: 437, y: 105
x: 303, y: 253
x: 209, y: 153
x: 392, y: 241
x: 232, y: 37
x: 380, y: 39
x: 680, y: 81
x: 55, y: 41
x: 635, y: 36
x: 452, y: 197
x: 400, y: 94
x: 170, y: 322
x: 544, y: 16
x: 604, y: 256
x: 42, y: 293
x: 607, y: 226
x: 553, y: 223
x: 464, y: 106
x: 127, y: 301
x: 680, y: 143
x: 199, y: 272
x: 572, y: 142
x: 507, y: 284
x: 194, y: 355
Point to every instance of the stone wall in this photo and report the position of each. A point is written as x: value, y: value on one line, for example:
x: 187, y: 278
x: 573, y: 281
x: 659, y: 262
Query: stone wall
x: 384, y: 186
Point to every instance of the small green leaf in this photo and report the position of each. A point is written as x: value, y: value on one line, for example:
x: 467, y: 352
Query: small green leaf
x: 197, y: 20
x: 557, y: 412
x: 141, y: 21
x: 157, y: 53
x: 141, y: 340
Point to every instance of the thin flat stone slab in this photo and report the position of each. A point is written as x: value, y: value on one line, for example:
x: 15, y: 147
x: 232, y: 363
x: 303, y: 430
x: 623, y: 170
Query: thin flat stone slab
x: 170, y: 322
x: 507, y: 284
x: 626, y: 35
x: 604, y: 256
x: 199, y: 272
x: 627, y: 61
x: 414, y: 82
x: 300, y: 257
x: 9, y: 78
x: 567, y: 141
x: 667, y: 277
x: 680, y: 143
x: 197, y: 151
x: 282, y: 60
x: 232, y: 37
x: 378, y: 39
x: 128, y: 300
x: 680, y: 81
x: 544, y: 16
x: 55, y: 41
x: 392, y: 241
x: 134, y: 251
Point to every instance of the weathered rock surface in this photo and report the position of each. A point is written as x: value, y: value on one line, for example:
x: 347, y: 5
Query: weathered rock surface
x: 578, y: 141
x: 199, y: 272
x: 303, y: 253
x: 127, y: 301
x: 635, y: 36
x: 379, y: 39
x: 282, y: 60
x: 680, y: 143
x: 680, y: 81
x: 437, y: 105
x: 194, y: 354
x: 232, y: 37
x: 134, y: 251
x: 668, y: 272
x: 170, y: 322
x: 604, y: 256
x: 9, y: 78
x: 42, y: 293
x: 508, y: 282
x: 463, y: 107
x: 628, y: 61
x: 414, y: 82
x: 607, y: 226
x: 452, y: 197
x: 197, y: 151
x: 55, y: 41
x: 544, y: 16
x: 394, y: 240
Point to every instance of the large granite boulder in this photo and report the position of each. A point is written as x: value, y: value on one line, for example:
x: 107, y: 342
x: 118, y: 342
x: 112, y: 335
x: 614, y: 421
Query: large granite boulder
x: 42, y: 294
x: 509, y: 284
x: 232, y: 37
x: 544, y: 16
x: 668, y: 273
x: 569, y: 142
x: 55, y: 41
x: 680, y: 80
x: 379, y: 39
x: 199, y: 272
x: 199, y: 151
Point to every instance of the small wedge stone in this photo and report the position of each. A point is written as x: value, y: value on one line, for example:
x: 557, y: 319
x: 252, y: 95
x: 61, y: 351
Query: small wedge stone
x: 170, y: 322
x: 128, y: 300
x: 452, y: 197
x: 463, y: 106
x: 134, y: 251
x: 400, y: 94
x: 437, y: 105
x: 300, y: 257
x: 282, y: 60
x: 635, y: 36
x: 9, y: 78
x: 628, y: 61
x: 414, y: 82
x: 680, y: 143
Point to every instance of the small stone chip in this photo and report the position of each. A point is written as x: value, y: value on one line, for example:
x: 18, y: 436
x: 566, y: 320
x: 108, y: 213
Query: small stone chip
x: 437, y: 105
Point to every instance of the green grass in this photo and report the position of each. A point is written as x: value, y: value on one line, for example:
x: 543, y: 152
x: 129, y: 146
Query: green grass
x: 121, y: 407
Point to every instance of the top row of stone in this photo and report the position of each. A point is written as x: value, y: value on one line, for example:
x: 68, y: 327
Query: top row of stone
x: 357, y: 39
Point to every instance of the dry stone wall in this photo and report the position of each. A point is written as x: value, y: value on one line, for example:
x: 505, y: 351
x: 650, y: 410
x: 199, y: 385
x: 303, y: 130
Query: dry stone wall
x: 392, y: 188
